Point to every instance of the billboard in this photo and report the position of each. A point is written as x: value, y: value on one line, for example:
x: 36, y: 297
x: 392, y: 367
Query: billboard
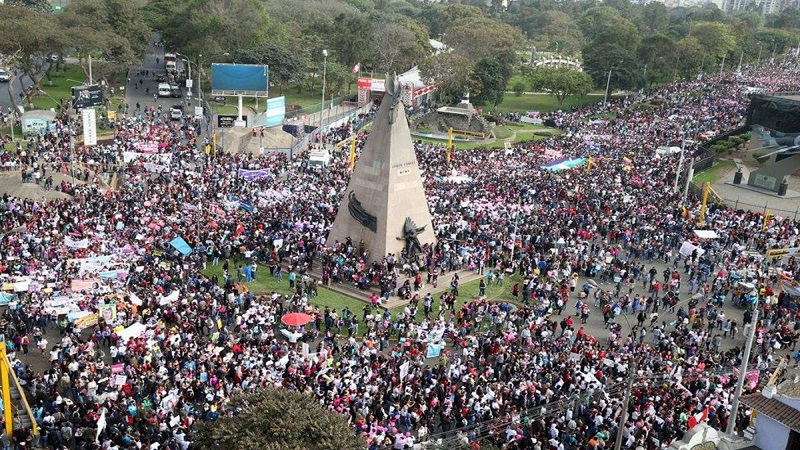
x: 227, y: 120
x: 87, y: 96
x: 89, y: 126
x: 276, y: 111
x: 239, y: 79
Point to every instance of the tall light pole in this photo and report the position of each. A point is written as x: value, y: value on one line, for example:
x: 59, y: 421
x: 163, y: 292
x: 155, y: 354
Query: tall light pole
x: 623, y: 416
x: 199, y: 73
x: 742, y: 373
x: 680, y: 165
x: 608, y: 86
x: 324, y: 74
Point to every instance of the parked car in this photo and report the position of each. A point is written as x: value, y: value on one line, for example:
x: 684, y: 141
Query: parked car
x: 176, y: 112
x: 161, y: 77
x: 5, y: 77
x: 176, y: 91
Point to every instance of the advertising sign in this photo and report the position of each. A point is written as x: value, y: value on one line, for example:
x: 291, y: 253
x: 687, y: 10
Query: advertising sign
x: 226, y: 121
x: 236, y: 79
x: 276, y: 111
x: 86, y: 96
x: 89, y: 126
x: 371, y: 84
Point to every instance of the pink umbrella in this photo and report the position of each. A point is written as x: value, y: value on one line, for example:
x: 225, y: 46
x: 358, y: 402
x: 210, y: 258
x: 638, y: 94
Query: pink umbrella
x: 296, y: 319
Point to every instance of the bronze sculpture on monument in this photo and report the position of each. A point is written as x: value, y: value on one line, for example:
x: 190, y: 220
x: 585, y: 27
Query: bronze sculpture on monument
x: 384, y: 205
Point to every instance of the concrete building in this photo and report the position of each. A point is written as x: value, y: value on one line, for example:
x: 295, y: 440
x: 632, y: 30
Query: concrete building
x: 776, y: 414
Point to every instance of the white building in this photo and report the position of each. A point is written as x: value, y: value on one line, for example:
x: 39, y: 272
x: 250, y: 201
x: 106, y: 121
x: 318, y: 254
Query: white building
x: 777, y: 414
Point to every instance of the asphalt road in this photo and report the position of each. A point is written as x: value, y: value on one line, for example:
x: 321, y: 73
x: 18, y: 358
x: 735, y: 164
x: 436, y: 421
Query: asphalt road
x: 142, y: 86
x: 21, y: 83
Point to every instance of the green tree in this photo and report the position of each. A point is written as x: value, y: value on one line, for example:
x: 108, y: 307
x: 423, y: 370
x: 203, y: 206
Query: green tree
x: 276, y: 419
x: 27, y: 50
x: 352, y: 40
x: 216, y: 27
x: 398, y: 46
x: 451, y: 70
x: 625, y: 67
x: 120, y: 21
x: 285, y: 66
x: 714, y: 37
x: 481, y: 38
x: 598, y: 19
x: 689, y: 54
x: 561, y: 82
x: 657, y: 52
x: 655, y: 17
x: 39, y: 5
x: 557, y: 31
x: 490, y: 78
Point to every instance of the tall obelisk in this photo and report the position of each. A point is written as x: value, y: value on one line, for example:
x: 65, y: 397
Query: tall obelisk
x: 384, y: 205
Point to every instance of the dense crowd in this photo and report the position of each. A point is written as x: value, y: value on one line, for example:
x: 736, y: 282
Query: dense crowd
x: 197, y: 340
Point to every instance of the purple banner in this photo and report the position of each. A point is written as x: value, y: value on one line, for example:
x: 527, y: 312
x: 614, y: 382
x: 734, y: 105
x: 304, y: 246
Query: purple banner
x: 254, y: 175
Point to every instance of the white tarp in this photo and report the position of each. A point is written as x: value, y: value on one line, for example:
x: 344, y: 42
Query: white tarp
x: 170, y: 298
x: 706, y: 234
x: 687, y: 248
x: 133, y: 331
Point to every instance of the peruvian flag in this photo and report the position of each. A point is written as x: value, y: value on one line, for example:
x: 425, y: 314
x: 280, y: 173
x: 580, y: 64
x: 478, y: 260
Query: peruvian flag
x: 697, y: 418
x: 356, y: 68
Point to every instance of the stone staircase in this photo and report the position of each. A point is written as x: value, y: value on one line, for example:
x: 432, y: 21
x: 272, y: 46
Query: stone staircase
x: 350, y: 290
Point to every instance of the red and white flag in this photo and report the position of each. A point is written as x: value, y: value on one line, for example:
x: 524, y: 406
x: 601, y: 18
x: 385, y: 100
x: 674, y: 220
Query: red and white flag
x: 697, y: 418
x: 357, y: 68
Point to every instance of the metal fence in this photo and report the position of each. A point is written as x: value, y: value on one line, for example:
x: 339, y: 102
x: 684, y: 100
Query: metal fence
x: 313, y: 109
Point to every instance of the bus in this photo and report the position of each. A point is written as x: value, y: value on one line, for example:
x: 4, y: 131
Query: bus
x: 169, y: 62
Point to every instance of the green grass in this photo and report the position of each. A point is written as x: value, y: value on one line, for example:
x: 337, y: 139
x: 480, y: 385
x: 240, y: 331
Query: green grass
x: 517, y: 77
x: 720, y: 168
x: 62, y: 83
x: 524, y: 132
x: 539, y: 102
x: 508, y: 130
x: 266, y: 284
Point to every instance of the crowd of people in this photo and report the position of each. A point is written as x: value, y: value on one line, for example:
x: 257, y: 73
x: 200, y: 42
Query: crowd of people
x: 147, y: 345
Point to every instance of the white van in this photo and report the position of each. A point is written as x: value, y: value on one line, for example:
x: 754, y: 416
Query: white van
x: 164, y: 90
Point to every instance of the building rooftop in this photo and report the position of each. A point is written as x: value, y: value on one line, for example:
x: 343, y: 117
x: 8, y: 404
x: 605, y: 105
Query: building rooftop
x: 774, y: 409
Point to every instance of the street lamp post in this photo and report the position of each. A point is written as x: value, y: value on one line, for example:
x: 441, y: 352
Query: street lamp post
x: 324, y: 75
x: 742, y: 373
x: 623, y: 417
x: 680, y: 165
x: 608, y: 86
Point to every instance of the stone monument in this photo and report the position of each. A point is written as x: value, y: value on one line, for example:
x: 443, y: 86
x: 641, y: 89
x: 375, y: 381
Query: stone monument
x: 384, y: 205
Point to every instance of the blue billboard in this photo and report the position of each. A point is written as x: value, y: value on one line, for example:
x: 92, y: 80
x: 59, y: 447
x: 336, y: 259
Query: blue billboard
x: 276, y: 111
x: 235, y: 79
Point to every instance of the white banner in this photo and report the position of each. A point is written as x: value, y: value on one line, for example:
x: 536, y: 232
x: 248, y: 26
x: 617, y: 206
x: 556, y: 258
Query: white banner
x: 89, y: 126
x: 73, y: 243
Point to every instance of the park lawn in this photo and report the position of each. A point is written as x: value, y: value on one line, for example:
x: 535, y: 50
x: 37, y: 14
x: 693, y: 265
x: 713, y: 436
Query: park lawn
x: 62, y: 83
x: 266, y: 284
x: 516, y: 78
x: 539, y: 102
x: 508, y: 130
x: 467, y: 292
x: 715, y: 172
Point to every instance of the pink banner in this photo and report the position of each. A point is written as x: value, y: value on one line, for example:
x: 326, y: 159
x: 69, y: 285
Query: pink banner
x: 84, y: 285
x: 148, y: 147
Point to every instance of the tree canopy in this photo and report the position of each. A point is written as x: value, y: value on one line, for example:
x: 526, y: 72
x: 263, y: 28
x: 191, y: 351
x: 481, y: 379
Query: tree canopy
x: 276, y: 419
